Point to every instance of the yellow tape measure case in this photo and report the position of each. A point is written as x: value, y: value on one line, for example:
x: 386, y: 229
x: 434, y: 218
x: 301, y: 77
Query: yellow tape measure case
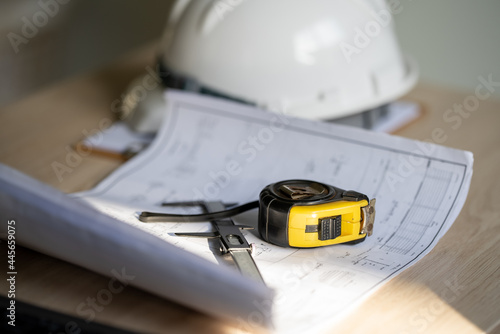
x: 304, y: 214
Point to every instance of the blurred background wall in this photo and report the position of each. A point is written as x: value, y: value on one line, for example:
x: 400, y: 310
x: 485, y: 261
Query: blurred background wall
x: 454, y: 41
x: 81, y: 35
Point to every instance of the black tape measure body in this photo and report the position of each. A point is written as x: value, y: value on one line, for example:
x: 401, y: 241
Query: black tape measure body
x: 277, y: 199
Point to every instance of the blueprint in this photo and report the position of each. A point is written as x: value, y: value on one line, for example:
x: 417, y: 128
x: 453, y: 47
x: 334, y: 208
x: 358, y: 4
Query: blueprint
x: 208, y: 149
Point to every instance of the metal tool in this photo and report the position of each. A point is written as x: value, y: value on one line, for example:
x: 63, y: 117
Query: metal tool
x: 231, y: 239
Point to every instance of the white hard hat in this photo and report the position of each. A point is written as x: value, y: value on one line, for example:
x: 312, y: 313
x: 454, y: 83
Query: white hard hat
x: 312, y: 59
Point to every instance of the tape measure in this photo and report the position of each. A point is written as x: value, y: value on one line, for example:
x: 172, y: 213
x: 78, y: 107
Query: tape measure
x: 296, y: 213
x: 302, y: 213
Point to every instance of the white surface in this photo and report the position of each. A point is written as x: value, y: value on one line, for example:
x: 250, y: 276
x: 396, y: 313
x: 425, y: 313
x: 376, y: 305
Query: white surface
x: 203, y: 137
x: 118, y: 138
x: 399, y: 114
x: 53, y: 223
x: 305, y: 58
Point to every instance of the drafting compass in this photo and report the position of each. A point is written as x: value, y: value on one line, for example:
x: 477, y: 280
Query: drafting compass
x: 231, y: 239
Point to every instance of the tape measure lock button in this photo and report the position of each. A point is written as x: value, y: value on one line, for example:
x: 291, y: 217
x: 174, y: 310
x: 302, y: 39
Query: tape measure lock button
x: 329, y: 228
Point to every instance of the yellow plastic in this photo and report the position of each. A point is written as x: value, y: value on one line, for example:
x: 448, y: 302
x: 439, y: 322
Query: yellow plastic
x: 300, y: 216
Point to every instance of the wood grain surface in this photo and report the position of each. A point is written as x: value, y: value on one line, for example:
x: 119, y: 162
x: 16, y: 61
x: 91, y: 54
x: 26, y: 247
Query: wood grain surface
x: 455, y: 288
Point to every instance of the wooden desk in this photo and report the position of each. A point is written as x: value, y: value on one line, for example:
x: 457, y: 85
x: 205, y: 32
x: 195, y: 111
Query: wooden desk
x: 456, y: 288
